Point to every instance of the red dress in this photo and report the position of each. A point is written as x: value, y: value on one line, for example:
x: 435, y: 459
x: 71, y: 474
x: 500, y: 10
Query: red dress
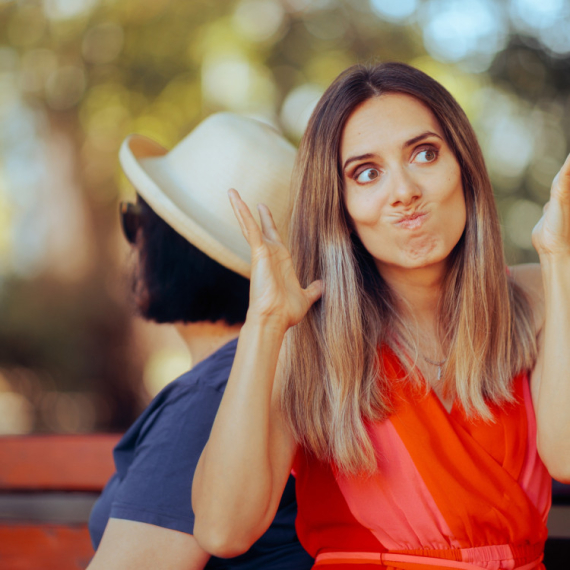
x: 450, y: 492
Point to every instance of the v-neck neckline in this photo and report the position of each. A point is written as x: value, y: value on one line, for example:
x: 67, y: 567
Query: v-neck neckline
x: 434, y: 395
x: 451, y: 410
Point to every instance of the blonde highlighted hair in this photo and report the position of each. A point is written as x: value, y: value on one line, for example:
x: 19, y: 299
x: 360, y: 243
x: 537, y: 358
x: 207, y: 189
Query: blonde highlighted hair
x: 334, y: 382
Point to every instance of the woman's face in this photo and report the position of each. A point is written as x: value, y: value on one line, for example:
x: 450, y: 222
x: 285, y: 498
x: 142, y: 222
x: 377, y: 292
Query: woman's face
x: 402, y: 183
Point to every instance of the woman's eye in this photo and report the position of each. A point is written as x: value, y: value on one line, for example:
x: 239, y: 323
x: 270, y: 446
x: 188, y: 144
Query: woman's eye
x: 367, y: 175
x: 427, y: 155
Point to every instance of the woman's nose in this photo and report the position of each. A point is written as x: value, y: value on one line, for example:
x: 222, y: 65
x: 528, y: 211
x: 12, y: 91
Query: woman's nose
x: 405, y: 190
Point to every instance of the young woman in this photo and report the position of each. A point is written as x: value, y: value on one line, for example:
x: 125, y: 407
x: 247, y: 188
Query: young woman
x: 423, y: 400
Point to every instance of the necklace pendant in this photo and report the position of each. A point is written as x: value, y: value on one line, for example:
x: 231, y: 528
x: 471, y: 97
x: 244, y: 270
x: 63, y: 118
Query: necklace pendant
x: 435, y: 363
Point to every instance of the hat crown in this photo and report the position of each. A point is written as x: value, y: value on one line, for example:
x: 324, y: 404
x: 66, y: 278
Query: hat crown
x: 188, y: 186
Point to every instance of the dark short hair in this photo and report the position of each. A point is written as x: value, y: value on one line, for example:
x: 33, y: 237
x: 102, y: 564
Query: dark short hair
x: 174, y: 281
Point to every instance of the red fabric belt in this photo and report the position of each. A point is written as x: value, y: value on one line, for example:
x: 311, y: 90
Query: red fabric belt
x: 496, y: 557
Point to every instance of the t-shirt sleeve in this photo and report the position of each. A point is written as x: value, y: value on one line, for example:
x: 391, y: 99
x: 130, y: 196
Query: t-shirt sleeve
x: 156, y: 488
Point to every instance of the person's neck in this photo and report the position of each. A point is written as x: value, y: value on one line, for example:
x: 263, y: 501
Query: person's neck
x: 205, y: 338
x: 417, y: 295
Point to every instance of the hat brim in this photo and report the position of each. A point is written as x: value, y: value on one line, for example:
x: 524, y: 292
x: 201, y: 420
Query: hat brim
x: 137, y: 147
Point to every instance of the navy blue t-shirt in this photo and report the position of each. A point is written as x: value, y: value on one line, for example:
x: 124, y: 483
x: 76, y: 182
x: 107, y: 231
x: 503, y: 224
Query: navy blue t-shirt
x: 156, y: 460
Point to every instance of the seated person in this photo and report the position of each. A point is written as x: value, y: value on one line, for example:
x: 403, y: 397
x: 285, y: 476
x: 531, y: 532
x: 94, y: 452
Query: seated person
x: 192, y: 269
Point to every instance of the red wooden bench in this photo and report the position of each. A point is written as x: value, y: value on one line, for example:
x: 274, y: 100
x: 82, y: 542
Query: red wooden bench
x: 43, y: 470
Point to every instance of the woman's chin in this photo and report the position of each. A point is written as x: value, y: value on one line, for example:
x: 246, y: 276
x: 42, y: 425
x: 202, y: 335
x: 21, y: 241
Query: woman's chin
x: 432, y: 262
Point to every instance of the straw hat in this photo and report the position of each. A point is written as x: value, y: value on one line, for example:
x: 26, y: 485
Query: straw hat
x: 187, y: 186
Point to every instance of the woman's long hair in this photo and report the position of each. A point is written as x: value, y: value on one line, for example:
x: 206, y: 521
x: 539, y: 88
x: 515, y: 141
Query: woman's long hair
x: 334, y: 382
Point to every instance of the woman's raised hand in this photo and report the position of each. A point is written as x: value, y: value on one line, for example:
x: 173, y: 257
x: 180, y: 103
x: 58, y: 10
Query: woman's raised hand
x: 551, y: 236
x: 276, y: 295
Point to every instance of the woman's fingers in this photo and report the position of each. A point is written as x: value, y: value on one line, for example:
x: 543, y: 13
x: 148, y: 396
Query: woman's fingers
x: 286, y: 288
x: 268, y: 224
x: 248, y: 225
x: 561, y: 184
x: 234, y: 196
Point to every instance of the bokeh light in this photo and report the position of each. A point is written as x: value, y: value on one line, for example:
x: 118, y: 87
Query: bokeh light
x: 394, y: 10
x: 259, y: 20
x: 68, y: 9
x: 297, y: 108
x: 16, y: 412
x: 529, y: 14
x: 521, y: 218
x: 510, y: 146
x: 163, y: 366
x: 232, y: 82
x: 456, y: 31
x: 549, y: 20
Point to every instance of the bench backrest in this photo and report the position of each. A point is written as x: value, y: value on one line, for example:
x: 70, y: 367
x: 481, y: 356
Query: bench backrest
x: 41, y: 470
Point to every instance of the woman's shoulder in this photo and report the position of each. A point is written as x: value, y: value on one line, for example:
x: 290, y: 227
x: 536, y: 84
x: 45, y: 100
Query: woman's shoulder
x: 528, y: 277
x: 196, y: 394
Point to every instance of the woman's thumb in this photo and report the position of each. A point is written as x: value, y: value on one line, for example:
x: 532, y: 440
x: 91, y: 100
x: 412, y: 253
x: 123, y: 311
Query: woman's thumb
x: 314, y: 291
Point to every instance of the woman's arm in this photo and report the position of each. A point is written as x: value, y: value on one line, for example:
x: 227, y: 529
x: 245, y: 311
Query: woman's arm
x: 245, y: 465
x: 550, y: 379
x: 130, y: 545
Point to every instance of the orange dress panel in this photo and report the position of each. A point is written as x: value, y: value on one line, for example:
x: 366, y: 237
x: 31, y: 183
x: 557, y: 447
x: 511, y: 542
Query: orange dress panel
x: 450, y: 491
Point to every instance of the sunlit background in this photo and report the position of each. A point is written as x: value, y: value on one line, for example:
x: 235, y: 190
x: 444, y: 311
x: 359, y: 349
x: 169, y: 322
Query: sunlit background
x: 77, y: 76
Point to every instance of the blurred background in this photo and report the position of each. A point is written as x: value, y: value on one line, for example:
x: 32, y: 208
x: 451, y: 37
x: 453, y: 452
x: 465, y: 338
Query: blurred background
x: 77, y: 76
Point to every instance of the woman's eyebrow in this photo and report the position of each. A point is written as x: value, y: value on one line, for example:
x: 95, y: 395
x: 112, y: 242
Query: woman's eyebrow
x: 420, y: 138
x: 408, y: 143
x: 355, y: 158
